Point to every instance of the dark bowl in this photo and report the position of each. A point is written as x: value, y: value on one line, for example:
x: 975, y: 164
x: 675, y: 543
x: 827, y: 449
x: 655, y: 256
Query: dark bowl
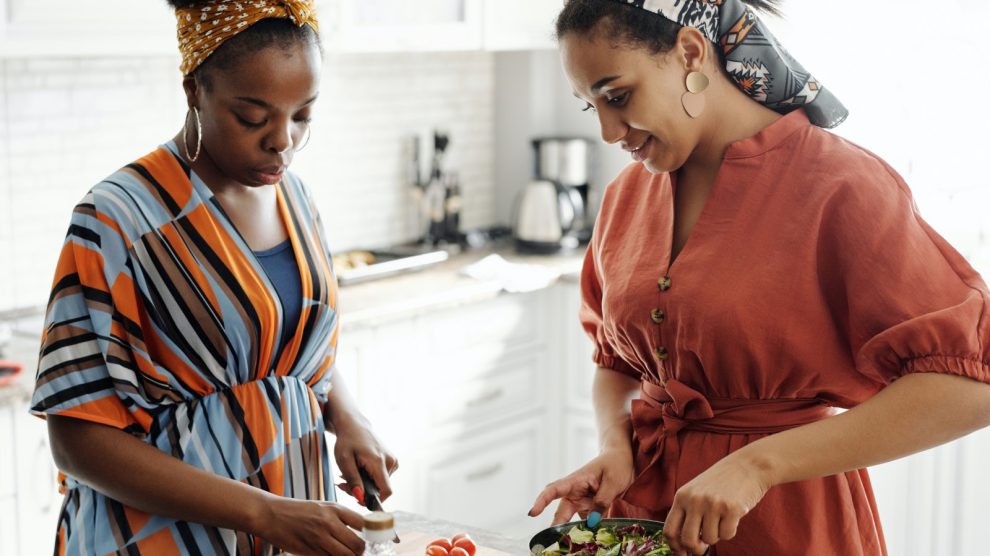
x: 551, y: 535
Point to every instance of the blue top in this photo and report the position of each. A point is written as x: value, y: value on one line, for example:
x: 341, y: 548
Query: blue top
x: 280, y: 264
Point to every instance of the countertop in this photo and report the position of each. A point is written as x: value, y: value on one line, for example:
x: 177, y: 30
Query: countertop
x: 412, y: 522
x: 442, y: 285
x: 406, y: 295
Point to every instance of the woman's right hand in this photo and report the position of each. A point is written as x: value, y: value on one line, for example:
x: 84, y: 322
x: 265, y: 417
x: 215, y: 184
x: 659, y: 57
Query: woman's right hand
x: 593, y: 487
x: 310, y: 528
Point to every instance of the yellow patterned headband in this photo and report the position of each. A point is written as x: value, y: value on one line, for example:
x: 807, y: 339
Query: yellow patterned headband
x: 203, y: 28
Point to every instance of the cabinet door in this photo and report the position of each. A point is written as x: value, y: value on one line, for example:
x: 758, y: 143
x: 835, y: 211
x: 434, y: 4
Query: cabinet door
x: 8, y: 526
x: 8, y: 485
x: 974, y: 491
x: 520, y: 24
x: 38, y: 500
x: 579, y: 369
x: 65, y: 27
x: 400, y: 25
x: 488, y: 480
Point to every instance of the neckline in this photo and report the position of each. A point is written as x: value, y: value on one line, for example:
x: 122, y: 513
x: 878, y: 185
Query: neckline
x: 271, y: 251
x: 769, y: 137
x: 200, y: 188
x: 762, y: 142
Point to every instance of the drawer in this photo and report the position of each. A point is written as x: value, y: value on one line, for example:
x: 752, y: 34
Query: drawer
x: 488, y: 481
x: 508, y: 320
x: 7, y: 449
x: 513, y: 390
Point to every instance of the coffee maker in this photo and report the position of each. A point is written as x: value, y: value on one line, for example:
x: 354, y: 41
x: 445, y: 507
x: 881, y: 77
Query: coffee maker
x: 553, y: 209
x: 566, y: 161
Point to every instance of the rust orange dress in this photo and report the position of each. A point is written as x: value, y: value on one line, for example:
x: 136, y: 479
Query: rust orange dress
x: 809, y: 283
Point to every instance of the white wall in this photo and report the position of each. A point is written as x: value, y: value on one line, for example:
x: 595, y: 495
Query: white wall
x: 67, y: 123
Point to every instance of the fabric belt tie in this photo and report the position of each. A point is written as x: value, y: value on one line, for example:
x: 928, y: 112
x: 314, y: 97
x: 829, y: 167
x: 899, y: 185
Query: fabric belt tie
x: 663, y: 412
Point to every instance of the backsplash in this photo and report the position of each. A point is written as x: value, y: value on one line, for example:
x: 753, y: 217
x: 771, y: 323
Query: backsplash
x: 67, y: 123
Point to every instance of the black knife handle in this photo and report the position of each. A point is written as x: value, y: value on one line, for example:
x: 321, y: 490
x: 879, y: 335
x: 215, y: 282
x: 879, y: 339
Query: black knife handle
x: 372, y: 498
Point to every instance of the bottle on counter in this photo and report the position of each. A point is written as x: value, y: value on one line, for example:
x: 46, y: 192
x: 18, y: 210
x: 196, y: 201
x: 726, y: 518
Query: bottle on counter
x: 379, y: 530
x: 452, y: 209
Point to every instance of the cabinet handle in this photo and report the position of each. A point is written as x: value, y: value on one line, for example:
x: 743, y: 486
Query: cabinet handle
x: 487, y: 397
x: 484, y: 473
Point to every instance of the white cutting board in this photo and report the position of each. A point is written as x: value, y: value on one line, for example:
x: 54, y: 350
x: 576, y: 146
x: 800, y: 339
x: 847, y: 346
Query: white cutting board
x: 415, y: 543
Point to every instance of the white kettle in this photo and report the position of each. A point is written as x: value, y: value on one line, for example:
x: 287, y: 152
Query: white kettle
x: 544, y: 215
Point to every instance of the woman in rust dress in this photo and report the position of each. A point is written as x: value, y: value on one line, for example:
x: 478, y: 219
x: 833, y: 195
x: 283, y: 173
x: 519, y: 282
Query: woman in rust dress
x: 750, y: 275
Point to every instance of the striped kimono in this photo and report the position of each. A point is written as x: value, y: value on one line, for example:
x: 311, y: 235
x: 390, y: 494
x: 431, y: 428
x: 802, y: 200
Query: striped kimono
x: 162, y: 323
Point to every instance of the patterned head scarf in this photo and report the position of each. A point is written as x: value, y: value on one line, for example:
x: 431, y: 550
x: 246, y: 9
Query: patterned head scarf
x: 758, y: 64
x: 205, y: 26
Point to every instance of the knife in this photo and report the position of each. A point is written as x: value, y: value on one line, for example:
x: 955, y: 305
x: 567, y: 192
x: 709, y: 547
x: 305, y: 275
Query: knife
x: 372, y: 498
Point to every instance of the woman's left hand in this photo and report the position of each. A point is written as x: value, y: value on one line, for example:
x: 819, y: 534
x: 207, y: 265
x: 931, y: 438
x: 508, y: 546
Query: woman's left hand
x: 358, y: 448
x: 708, y: 508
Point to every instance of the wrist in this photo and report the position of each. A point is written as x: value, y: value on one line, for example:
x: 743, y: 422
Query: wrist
x: 259, y: 513
x: 617, y: 438
x: 345, y: 420
x: 763, y: 464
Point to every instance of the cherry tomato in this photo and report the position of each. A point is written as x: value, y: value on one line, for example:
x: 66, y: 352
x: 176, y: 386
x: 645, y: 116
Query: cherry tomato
x: 467, y: 544
x: 443, y: 542
x: 434, y: 550
x: 458, y: 551
x: 459, y: 536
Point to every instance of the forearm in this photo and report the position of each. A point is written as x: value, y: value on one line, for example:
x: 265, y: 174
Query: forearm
x: 914, y: 413
x: 141, y: 476
x: 341, y: 410
x: 612, y: 394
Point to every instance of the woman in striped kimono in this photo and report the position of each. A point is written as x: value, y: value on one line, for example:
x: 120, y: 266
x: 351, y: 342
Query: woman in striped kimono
x: 187, y: 362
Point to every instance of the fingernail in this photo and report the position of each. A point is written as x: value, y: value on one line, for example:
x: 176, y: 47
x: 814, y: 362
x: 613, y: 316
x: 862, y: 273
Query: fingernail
x: 594, y: 518
x: 359, y: 495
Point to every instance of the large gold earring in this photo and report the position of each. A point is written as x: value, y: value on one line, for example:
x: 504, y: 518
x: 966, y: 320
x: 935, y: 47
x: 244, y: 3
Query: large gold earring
x: 309, y: 131
x: 199, y: 135
x: 693, y: 101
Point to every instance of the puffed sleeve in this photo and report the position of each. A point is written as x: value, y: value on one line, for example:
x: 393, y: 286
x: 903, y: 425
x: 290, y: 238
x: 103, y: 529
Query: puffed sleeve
x: 591, y: 312
x: 83, y: 336
x: 905, y: 300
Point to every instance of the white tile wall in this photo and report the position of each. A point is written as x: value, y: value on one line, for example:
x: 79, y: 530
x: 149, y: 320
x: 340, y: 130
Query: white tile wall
x: 6, y: 226
x: 67, y: 123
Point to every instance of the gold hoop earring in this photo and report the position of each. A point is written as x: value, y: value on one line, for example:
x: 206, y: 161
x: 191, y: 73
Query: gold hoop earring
x: 309, y: 132
x: 692, y: 100
x: 199, y: 135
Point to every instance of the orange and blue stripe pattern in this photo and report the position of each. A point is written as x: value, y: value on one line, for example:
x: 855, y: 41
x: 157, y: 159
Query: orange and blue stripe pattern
x: 163, y: 323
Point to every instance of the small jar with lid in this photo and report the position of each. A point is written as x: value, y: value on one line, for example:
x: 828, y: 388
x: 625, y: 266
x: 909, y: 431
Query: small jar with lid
x: 379, y: 530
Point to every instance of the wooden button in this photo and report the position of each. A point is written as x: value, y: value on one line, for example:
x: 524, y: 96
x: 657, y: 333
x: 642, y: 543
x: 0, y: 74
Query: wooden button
x: 657, y: 315
x: 661, y: 353
x: 664, y: 283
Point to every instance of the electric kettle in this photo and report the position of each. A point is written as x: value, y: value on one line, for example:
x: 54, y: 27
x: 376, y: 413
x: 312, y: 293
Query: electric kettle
x: 545, y: 213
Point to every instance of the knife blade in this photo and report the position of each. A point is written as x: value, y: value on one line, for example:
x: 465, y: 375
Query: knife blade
x: 372, y: 497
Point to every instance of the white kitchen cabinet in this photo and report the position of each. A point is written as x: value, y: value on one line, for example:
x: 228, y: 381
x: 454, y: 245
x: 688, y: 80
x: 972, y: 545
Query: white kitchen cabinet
x: 38, y: 500
x: 489, y: 480
x: 8, y: 526
x: 400, y: 25
x: 69, y: 28
x: 520, y: 24
x: 7, y: 468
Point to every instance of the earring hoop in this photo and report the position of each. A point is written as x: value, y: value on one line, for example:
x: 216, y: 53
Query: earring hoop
x: 199, y: 135
x: 309, y: 132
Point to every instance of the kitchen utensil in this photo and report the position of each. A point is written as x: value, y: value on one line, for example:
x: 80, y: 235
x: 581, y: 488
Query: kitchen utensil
x: 415, y: 543
x: 372, y: 498
x: 553, y: 534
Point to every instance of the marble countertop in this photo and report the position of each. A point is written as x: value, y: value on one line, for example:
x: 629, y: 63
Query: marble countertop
x: 405, y: 521
x: 441, y: 286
